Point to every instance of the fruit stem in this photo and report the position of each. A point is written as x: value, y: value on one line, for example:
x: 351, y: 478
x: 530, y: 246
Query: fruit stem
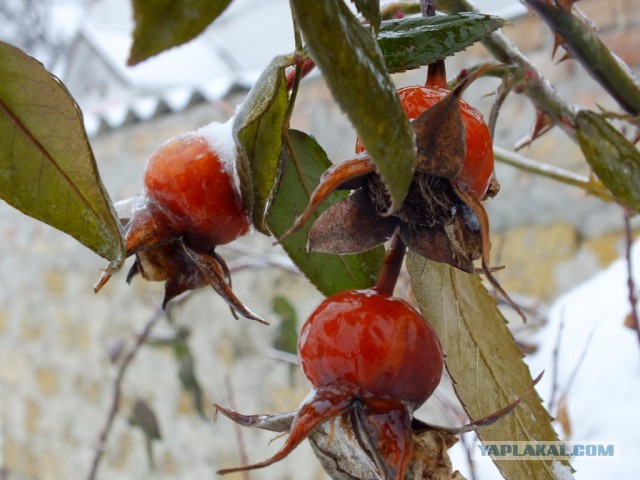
x: 390, y: 271
x: 437, y: 75
x: 436, y: 72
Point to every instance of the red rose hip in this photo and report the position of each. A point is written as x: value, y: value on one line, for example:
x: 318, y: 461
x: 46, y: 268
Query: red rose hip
x: 191, y: 179
x: 477, y: 169
x: 372, y: 343
x: 191, y: 203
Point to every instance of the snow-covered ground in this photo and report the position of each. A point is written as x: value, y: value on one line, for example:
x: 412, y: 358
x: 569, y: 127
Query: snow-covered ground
x: 598, y: 370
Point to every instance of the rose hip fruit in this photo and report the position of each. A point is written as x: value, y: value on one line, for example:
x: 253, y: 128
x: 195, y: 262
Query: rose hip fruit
x: 477, y: 169
x: 190, y: 204
x: 193, y: 184
x: 370, y: 354
x: 371, y: 344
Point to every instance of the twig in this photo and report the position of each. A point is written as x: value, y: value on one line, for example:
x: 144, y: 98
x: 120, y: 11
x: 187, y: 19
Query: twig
x: 532, y: 82
x: 556, y: 364
x: 290, y: 358
x: 117, y: 389
x: 242, y: 450
x: 258, y: 259
x: 633, y: 298
x: 576, y: 369
x: 580, y: 39
x: 555, y: 173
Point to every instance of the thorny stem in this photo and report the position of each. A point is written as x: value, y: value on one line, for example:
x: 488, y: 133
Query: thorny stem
x: 589, y: 185
x: 117, y: 389
x: 391, y: 267
x: 533, y: 83
x: 580, y: 39
x: 633, y: 298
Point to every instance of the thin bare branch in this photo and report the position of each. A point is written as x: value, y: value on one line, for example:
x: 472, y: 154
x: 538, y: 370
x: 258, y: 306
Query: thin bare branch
x: 633, y: 298
x: 141, y: 338
x: 589, y: 185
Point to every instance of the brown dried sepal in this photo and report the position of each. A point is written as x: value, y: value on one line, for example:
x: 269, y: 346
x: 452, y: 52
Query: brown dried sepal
x: 441, y: 138
x: 433, y: 222
x: 162, y: 255
x: 343, y: 445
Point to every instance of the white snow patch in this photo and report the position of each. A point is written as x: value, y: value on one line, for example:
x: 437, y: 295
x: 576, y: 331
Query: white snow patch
x: 219, y: 136
x: 561, y: 471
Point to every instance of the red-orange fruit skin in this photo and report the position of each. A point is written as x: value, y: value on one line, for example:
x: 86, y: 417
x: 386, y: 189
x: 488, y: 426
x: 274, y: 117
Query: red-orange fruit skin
x: 187, y: 180
x: 371, y: 344
x: 477, y: 169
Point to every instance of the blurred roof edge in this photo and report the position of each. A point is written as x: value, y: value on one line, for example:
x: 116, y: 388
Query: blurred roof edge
x: 219, y: 61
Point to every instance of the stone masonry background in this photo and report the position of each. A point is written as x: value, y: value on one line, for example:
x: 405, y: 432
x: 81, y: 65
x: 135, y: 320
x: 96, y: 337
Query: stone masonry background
x: 55, y: 334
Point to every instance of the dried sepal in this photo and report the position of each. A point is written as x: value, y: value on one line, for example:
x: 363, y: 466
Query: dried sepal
x: 351, y: 444
x: 332, y: 179
x: 457, y: 241
x: 323, y: 405
x: 169, y: 263
x: 440, y: 138
x: 216, y: 273
x: 350, y: 226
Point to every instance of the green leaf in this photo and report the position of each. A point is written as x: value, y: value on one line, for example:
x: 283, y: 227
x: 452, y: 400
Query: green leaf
x: 257, y: 130
x: 145, y: 418
x: 614, y: 159
x: 302, y: 166
x: 47, y: 168
x: 417, y: 41
x: 162, y: 24
x: 286, y: 339
x: 354, y: 69
x: 483, y: 360
x: 370, y: 9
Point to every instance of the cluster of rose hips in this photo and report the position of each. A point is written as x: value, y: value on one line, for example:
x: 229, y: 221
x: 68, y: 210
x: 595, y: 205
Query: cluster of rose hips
x: 371, y: 358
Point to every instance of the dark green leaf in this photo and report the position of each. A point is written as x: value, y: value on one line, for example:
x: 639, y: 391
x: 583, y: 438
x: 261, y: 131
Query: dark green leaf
x: 187, y: 375
x: 354, y: 69
x: 145, y: 418
x: 370, y: 9
x: 417, y: 41
x: 483, y: 360
x: 286, y: 339
x: 162, y: 24
x: 257, y: 130
x: 47, y: 168
x: 302, y: 167
x: 614, y: 159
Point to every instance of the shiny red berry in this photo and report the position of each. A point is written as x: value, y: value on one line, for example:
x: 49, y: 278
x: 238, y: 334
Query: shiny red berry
x: 373, y: 345
x: 190, y: 178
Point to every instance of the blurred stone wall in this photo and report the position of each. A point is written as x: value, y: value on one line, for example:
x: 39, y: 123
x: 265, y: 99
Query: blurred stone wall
x: 56, y: 379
